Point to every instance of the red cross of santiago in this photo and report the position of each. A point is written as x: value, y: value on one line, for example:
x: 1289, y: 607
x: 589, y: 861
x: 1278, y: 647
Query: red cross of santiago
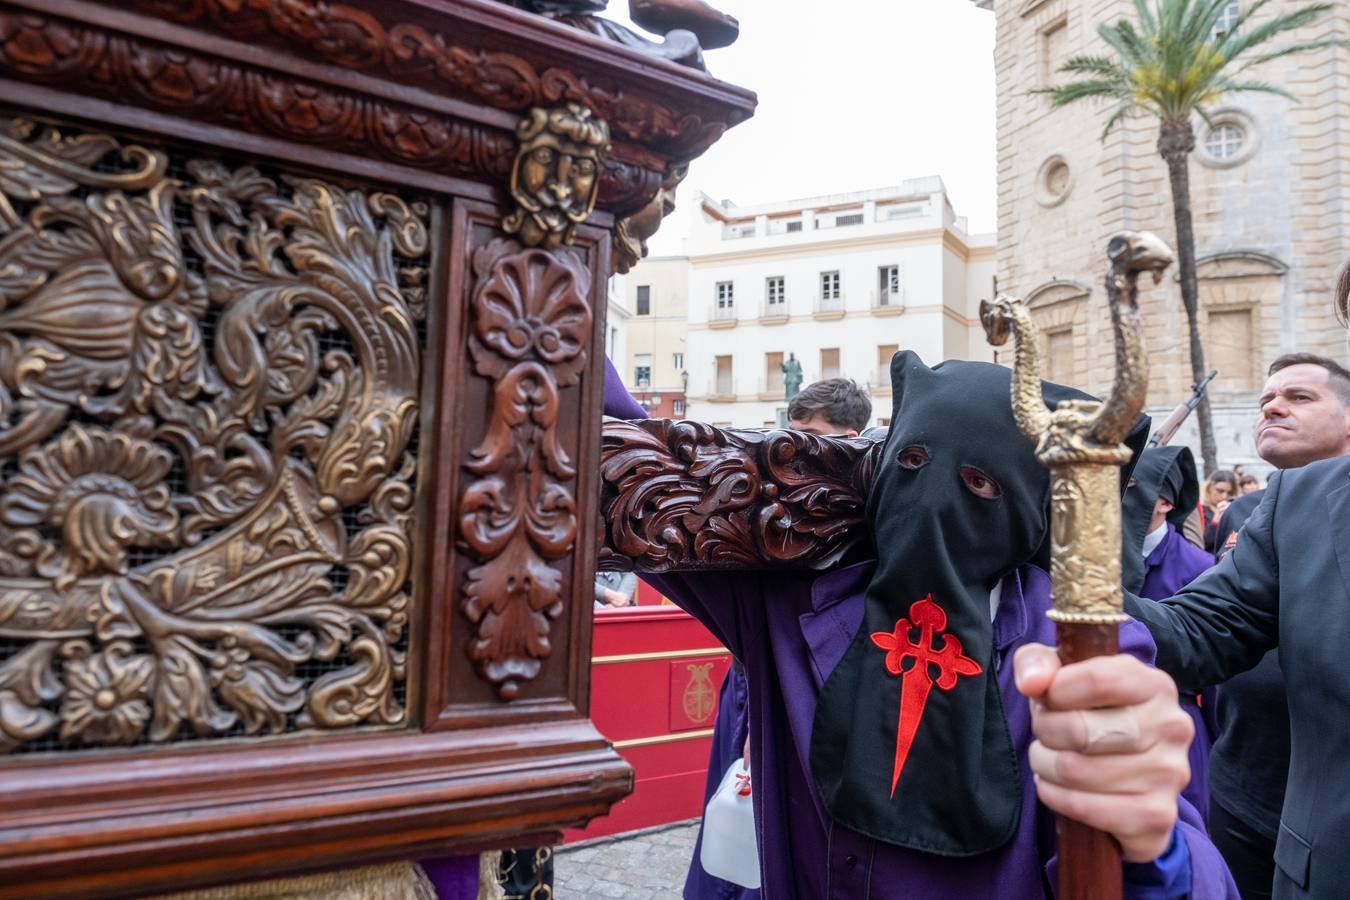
x: 917, y: 681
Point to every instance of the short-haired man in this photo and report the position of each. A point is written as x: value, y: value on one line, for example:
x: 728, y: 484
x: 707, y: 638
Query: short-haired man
x: 1304, y: 416
x: 833, y: 406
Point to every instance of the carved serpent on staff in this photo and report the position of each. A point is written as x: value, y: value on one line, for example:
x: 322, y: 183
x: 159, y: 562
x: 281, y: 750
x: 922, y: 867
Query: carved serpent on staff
x: 1077, y: 427
x: 1080, y: 440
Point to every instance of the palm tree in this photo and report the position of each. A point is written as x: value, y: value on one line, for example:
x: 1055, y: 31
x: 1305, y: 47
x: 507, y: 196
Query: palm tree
x: 1174, y: 65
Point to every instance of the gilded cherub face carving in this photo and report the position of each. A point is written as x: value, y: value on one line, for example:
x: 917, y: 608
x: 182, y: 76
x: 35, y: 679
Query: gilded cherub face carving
x: 556, y: 174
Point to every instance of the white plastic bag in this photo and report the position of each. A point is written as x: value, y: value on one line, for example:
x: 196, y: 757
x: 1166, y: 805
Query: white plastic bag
x: 729, y: 849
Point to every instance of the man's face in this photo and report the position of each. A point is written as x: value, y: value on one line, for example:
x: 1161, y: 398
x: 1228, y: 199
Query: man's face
x: 818, y: 424
x: 1302, y: 420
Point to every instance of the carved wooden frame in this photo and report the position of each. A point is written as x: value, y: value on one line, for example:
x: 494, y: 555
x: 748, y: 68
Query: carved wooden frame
x: 424, y: 95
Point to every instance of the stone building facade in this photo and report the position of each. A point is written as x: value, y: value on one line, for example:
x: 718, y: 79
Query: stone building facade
x: 1270, y: 190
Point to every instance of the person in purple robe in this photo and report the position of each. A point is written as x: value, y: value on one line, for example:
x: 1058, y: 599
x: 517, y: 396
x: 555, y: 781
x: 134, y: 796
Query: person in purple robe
x: 832, y: 406
x: 874, y: 777
x: 1161, y: 494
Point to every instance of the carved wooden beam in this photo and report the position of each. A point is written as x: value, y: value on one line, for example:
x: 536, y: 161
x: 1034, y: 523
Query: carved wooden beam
x: 687, y: 496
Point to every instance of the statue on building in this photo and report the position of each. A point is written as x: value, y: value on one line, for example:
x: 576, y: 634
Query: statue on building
x: 792, y: 376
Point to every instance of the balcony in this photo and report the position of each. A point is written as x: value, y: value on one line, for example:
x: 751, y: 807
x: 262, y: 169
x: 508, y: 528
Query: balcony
x: 772, y: 387
x: 888, y: 303
x: 774, y: 312
x: 722, y: 316
x: 721, y: 390
x: 880, y: 382
x: 828, y: 308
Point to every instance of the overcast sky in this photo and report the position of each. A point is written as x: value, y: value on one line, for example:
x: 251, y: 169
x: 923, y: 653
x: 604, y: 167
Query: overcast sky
x: 853, y: 94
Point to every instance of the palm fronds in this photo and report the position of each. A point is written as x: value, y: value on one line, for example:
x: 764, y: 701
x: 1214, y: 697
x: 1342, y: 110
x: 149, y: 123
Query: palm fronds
x: 1172, y: 64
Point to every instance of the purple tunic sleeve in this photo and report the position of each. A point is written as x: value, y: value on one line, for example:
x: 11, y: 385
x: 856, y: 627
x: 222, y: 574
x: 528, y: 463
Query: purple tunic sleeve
x: 618, y: 402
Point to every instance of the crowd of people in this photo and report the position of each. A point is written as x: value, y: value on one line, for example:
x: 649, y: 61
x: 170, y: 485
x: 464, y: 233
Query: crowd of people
x: 1211, y: 748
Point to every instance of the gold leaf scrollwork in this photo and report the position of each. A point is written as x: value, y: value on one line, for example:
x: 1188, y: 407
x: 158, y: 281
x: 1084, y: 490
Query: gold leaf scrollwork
x: 208, y: 396
x: 531, y: 327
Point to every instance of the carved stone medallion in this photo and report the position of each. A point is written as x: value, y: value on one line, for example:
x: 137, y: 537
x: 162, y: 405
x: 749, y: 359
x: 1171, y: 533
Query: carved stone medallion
x: 208, y: 391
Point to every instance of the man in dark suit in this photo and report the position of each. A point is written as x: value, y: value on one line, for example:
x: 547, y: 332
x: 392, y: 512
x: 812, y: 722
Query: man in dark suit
x: 1303, y: 418
x: 1285, y: 584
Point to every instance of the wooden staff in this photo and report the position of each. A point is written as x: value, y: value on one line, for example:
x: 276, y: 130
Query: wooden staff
x: 1081, y: 443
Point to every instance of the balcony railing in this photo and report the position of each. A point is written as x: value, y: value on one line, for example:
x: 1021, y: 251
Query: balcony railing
x: 722, y: 388
x: 828, y: 305
x: 774, y: 309
x: 772, y: 387
x: 888, y: 299
x: 721, y: 313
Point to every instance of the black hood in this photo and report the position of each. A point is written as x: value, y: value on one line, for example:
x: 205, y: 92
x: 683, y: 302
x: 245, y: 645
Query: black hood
x: 1161, y: 472
x: 944, y: 537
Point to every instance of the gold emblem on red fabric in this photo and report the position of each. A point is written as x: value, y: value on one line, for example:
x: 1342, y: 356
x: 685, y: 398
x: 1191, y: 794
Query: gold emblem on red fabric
x: 699, y: 697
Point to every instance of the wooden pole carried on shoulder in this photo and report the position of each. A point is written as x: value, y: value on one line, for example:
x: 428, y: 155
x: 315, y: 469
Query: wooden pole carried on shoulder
x: 1081, y: 442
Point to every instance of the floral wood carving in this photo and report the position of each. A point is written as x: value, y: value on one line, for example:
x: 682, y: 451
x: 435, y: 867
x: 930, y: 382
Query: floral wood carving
x: 354, y: 38
x: 185, y: 82
x: 208, y: 388
x: 531, y: 326
x: 688, y: 496
x: 555, y: 175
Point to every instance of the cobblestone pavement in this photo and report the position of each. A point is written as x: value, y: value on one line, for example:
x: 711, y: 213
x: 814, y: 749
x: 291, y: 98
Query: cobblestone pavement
x: 640, y: 865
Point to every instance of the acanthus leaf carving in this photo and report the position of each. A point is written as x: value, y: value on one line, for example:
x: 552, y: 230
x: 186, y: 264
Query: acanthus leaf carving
x: 688, y: 496
x: 531, y: 327
x: 208, y: 525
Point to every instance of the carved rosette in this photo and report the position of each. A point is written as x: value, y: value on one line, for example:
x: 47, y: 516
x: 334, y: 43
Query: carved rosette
x: 208, y: 388
x: 688, y: 496
x: 518, y: 514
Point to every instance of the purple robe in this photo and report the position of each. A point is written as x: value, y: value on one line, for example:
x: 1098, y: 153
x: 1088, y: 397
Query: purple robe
x: 1172, y: 565
x: 728, y: 744
x: 790, y: 630
x: 454, y: 877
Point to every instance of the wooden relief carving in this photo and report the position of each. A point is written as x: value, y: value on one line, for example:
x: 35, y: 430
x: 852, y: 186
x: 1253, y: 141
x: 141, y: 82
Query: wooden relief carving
x: 556, y: 174
x: 190, y: 83
x: 208, y: 388
x: 684, y: 495
x: 531, y: 323
x: 354, y: 38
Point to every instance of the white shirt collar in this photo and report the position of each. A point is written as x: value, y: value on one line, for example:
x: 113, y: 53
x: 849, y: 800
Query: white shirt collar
x: 1154, y: 538
x: 994, y: 596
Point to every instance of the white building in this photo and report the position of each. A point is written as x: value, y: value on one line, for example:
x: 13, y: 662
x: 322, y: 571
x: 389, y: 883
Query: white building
x: 842, y: 281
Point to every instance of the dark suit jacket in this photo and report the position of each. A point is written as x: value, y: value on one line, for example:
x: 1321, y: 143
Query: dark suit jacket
x: 1285, y: 584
